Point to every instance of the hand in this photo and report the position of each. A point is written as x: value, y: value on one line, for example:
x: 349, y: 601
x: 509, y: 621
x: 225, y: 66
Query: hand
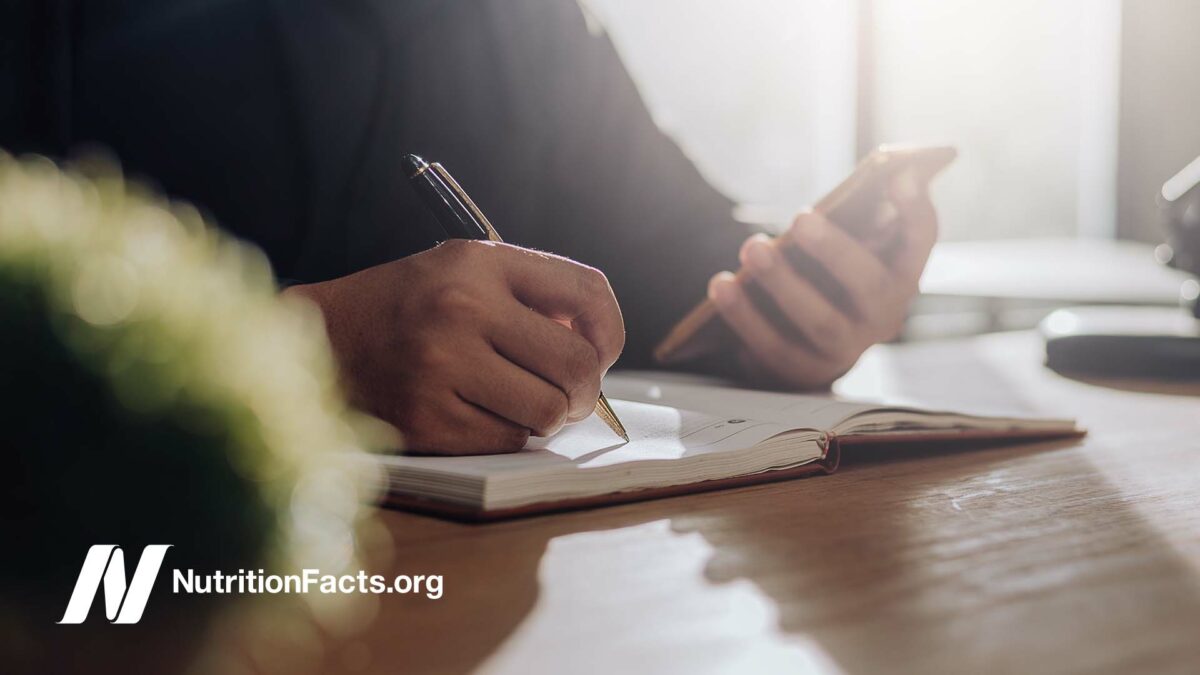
x: 804, y: 325
x: 472, y: 346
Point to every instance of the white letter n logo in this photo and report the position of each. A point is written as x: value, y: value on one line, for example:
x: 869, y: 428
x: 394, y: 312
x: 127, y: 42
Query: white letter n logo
x: 123, y: 602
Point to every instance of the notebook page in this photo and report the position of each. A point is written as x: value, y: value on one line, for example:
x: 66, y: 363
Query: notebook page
x: 823, y: 412
x: 655, y: 433
x: 794, y: 410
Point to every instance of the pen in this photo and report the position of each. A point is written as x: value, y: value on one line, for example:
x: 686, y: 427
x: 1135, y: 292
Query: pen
x: 462, y: 219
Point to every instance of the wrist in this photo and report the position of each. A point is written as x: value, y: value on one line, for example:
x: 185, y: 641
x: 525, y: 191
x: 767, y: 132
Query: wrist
x: 317, y: 294
x: 321, y: 296
x: 312, y: 292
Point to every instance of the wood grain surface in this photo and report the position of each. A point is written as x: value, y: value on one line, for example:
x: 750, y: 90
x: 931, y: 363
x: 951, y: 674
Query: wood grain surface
x: 1062, y: 557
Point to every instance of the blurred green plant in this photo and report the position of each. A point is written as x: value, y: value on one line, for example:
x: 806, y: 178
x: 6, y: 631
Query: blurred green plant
x: 156, y: 389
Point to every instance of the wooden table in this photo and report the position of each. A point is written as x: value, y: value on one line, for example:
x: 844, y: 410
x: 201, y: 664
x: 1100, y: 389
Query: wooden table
x: 1054, y: 557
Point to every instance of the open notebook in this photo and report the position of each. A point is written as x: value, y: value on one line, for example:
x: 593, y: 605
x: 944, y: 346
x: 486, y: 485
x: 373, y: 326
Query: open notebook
x: 684, y: 437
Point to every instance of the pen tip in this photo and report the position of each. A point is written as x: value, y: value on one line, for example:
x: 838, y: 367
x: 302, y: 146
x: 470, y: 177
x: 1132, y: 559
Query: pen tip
x: 413, y: 165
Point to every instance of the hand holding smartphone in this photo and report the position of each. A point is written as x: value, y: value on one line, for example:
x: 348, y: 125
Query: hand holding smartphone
x: 858, y: 205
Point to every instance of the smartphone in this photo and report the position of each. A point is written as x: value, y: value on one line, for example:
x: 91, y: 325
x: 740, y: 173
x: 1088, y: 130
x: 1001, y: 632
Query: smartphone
x: 859, y: 204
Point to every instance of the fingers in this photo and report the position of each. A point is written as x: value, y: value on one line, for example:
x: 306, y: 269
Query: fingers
x: 919, y: 226
x: 563, y: 289
x: 804, y: 307
x: 856, y: 269
x: 516, y: 395
x: 458, y: 427
x: 554, y: 353
x: 838, y: 293
x: 791, y: 361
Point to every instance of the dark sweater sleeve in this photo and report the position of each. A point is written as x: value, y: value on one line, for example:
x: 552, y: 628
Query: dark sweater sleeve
x: 539, y: 120
x: 625, y: 198
x: 547, y: 126
x: 34, y: 67
x: 196, y: 98
x: 285, y: 120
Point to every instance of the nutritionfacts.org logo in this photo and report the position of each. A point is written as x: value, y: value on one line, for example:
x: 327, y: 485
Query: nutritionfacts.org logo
x: 125, y: 598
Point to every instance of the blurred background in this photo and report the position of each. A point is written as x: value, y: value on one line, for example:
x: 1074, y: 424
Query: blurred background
x: 1068, y: 115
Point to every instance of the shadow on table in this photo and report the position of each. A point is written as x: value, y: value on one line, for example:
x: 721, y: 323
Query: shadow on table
x: 1180, y: 387
x: 1006, y: 560
x: 1012, y: 558
x: 1034, y: 557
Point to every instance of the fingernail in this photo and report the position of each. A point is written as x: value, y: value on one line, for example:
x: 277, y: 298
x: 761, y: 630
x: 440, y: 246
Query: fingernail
x: 760, y: 256
x: 721, y: 289
x: 905, y: 186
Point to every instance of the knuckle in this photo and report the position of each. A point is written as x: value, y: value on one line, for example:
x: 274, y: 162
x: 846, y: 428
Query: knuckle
x: 455, y: 249
x: 468, y: 252
x: 453, y: 300
x: 592, y: 282
x: 459, y: 248
x: 432, y: 357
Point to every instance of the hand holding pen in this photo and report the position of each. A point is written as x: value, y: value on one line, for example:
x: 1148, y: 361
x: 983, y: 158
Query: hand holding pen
x: 461, y: 347
x: 458, y: 214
